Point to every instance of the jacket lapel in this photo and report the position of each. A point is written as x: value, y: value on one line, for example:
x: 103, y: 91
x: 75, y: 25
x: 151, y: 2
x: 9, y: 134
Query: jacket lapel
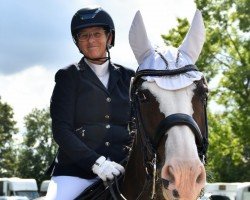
x: 114, y: 76
x: 90, y: 75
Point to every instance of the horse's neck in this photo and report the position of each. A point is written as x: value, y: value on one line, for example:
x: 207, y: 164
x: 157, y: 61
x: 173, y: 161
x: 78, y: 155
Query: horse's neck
x: 135, y: 171
x: 135, y: 182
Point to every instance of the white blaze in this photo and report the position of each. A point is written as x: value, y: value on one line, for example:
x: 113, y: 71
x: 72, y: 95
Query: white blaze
x: 180, y: 143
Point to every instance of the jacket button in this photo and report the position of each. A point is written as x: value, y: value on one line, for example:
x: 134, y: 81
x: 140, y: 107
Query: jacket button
x: 83, y: 133
x: 108, y: 99
x: 107, y: 126
x: 107, y: 144
x: 106, y: 116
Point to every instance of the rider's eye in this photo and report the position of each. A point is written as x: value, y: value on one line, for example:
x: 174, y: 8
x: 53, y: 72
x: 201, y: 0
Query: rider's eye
x: 97, y: 34
x: 83, y: 36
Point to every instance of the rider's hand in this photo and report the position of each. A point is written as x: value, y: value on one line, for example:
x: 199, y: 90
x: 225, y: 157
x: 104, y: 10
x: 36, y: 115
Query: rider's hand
x: 106, y: 169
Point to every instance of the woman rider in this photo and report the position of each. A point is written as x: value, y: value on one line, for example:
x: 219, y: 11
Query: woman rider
x: 90, y: 109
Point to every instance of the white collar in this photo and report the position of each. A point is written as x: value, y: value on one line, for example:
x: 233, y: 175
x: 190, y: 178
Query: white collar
x: 100, y: 70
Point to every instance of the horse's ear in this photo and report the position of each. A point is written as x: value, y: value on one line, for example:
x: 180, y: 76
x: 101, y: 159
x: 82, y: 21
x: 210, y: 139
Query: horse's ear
x: 138, y: 39
x: 195, y: 38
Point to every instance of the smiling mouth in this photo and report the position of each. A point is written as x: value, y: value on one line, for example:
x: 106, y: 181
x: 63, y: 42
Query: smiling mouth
x: 90, y: 47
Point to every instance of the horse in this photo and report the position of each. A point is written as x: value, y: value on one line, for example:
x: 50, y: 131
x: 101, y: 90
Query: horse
x: 168, y: 96
x: 169, y: 125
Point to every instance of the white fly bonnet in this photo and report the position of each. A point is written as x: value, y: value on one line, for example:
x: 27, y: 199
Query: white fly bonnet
x: 187, y: 53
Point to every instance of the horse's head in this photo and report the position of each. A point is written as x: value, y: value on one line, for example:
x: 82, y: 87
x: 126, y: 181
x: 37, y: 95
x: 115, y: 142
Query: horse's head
x: 168, y: 95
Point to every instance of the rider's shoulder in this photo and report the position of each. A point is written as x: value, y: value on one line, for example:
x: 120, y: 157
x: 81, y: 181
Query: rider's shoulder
x: 68, y: 71
x: 124, y: 69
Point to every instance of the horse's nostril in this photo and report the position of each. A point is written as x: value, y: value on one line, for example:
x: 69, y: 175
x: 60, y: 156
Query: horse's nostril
x: 165, y: 183
x: 176, y: 194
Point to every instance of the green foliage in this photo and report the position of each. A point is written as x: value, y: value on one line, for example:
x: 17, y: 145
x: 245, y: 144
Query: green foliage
x: 233, y: 92
x: 7, y: 131
x: 243, y: 8
x: 176, y: 35
x: 225, y: 159
x: 38, y: 149
x: 226, y: 52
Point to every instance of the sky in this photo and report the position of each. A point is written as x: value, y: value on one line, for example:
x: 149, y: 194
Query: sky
x: 35, y: 42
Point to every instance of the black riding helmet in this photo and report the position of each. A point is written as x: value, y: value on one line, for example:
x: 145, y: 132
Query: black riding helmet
x: 92, y: 16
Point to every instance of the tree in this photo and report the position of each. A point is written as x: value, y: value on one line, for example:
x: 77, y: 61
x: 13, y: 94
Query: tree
x: 225, y: 52
x: 38, y: 149
x: 7, y: 151
x: 223, y: 160
x: 232, y: 19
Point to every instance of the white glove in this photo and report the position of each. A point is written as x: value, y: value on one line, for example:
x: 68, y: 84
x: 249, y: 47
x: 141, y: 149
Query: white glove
x: 106, y: 169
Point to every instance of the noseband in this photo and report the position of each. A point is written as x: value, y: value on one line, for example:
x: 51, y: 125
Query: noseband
x: 150, y: 145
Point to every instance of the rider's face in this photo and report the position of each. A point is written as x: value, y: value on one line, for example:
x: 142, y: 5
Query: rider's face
x: 92, y: 42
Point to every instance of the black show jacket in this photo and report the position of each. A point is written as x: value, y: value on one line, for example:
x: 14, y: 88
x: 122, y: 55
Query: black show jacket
x: 88, y: 120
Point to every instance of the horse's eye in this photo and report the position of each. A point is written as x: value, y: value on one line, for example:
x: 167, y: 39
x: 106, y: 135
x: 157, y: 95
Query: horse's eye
x: 142, y: 97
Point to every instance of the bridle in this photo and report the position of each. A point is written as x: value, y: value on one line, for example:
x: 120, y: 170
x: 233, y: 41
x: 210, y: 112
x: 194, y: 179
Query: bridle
x: 150, y: 145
